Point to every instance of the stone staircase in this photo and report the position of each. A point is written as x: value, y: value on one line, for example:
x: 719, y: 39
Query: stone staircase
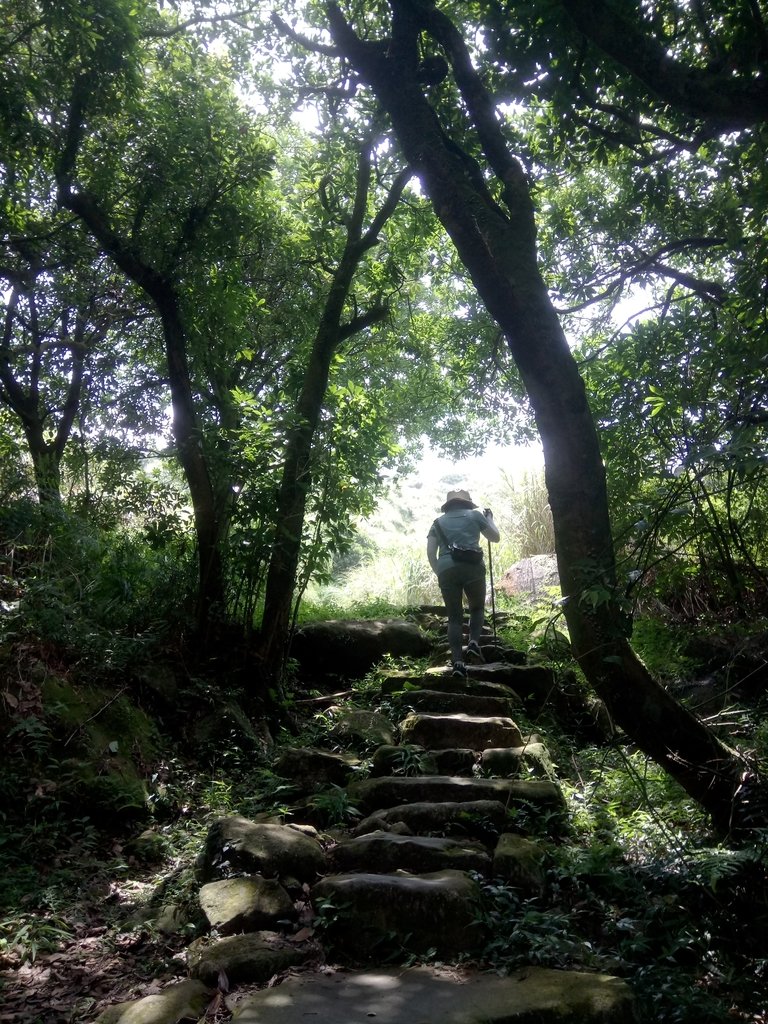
x: 439, y: 814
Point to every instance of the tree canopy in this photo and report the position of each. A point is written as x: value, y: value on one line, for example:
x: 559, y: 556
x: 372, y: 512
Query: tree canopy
x: 440, y: 246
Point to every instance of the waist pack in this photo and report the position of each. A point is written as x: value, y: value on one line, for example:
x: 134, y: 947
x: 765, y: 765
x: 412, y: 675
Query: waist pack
x: 459, y: 554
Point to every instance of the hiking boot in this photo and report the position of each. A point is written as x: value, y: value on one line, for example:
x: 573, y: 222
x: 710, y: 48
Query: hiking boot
x: 473, y: 652
x: 459, y: 670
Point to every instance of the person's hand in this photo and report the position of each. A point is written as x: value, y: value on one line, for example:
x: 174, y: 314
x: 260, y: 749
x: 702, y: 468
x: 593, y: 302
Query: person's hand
x: 487, y: 513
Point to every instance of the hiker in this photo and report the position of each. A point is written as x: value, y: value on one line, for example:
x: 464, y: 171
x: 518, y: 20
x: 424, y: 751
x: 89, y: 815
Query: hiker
x: 454, y: 552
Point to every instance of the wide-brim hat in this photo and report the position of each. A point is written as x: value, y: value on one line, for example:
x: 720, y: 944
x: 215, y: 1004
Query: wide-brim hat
x: 460, y: 499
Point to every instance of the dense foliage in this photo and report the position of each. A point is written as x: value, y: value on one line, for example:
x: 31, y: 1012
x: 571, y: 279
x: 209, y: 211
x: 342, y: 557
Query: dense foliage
x: 228, y: 304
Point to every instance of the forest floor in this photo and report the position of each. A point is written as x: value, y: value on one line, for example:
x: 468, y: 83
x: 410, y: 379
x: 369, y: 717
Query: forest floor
x: 643, y: 891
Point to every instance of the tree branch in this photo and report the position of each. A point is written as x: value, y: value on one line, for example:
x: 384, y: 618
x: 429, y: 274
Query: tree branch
x: 734, y: 101
x: 304, y: 41
x: 372, y: 316
x: 217, y: 19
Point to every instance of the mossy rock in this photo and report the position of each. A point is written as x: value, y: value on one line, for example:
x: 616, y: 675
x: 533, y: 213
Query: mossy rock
x: 95, y: 733
x: 98, y: 721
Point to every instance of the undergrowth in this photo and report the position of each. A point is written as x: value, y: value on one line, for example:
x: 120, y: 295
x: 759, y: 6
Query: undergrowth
x: 637, y: 887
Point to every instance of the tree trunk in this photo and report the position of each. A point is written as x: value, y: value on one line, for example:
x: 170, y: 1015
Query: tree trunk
x: 296, y: 477
x: 27, y: 404
x: 497, y: 245
x: 295, y: 483
x: 186, y: 432
x: 189, y: 446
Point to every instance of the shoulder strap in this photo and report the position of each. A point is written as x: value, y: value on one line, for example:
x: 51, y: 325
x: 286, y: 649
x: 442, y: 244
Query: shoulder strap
x: 441, y: 536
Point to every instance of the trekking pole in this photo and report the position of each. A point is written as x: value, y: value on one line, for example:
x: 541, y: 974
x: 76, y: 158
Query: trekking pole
x: 493, y: 596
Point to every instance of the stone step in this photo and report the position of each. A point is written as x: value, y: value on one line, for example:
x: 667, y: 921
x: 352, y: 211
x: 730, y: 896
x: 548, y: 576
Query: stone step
x: 237, y: 845
x: 245, y: 904
x: 415, y: 760
x: 449, y: 702
x: 435, y: 995
x: 437, y: 732
x: 251, y: 957
x: 526, y: 680
x: 478, y: 819
x: 398, y: 680
x: 441, y: 679
x: 387, y: 851
x: 390, y: 791
x: 312, y: 767
x: 401, y: 911
x: 532, y: 683
x: 504, y: 762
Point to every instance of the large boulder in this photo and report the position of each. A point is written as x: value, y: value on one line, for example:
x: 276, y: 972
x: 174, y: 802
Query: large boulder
x: 362, y: 724
x: 253, y: 957
x: 314, y: 768
x: 186, y: 1000
x: 235, y: 845
x: 436, y: 911
x: 520, y: 862
x: 350, y: 648
x: 245, y: 904
x: 533, y: 579
x: 506, y: 762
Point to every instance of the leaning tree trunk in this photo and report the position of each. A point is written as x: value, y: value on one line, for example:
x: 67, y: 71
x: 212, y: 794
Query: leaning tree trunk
x: 496, y: 242
x: 295, y: 483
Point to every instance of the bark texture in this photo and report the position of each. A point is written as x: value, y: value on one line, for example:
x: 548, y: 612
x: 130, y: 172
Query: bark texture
x: 296, y: 476
x: 187, y: 435
x: 496, y: 241
x: 27, y: 403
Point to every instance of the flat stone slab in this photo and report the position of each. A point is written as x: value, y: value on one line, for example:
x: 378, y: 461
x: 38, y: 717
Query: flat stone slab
x: 525, y: 680
x: 529, y: 681
x: 436, y: 732
x: 385, y: 851
x: 448, y: 702
x: 401, y: 911
x: 388, y: 791
x: 470, y: 818
x: 429, y: 995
